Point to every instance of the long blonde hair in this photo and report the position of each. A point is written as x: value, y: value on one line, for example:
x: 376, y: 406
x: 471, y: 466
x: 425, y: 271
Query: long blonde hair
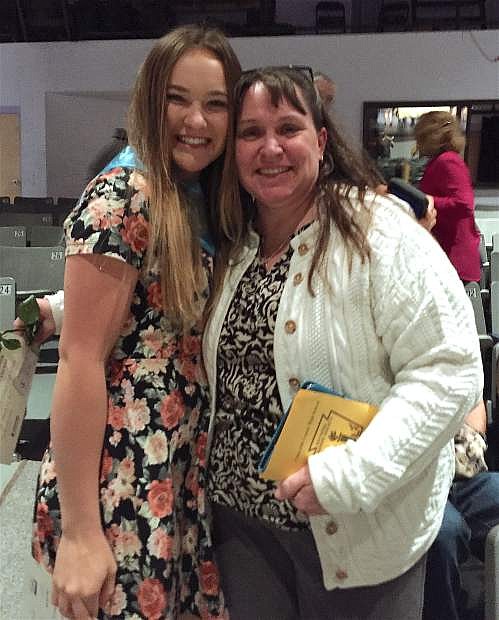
x: 172, y: 242
x: 437, y: 132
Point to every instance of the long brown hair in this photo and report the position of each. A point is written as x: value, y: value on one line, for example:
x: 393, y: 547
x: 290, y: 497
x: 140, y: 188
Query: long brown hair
x: 438, y: 131
x: 341, y: 169
x: 171, y: 238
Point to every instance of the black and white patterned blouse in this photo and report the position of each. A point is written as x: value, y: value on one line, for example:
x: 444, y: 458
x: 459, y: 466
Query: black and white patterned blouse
x: 248, y: 403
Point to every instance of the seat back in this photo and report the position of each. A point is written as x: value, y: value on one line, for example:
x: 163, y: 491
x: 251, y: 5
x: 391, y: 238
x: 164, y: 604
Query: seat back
x: 26, y: 204
x: 492, y: 574
x: 64, y: 206
x: 46, y: 236
x: 13, y: 235
x: 494, y: 265
x: 475, y: 295
x: 10, y: 218
x: 484, y: 263
x: 494, y: 309
x: 393, y: 16
x: 7, y: 302
x: 35, y: 270
x: 330, y: 17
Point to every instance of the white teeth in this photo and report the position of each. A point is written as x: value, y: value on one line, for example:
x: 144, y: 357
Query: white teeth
x: 192, y: 140
x: 271, y: 171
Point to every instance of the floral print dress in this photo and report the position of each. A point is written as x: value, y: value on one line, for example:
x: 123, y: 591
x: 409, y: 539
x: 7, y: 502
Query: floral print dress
x: 152, y: 480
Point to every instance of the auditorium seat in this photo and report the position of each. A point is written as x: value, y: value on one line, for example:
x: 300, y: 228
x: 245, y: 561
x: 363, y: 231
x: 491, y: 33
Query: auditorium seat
x: 330, y: 17
x: 64, y: 206
x: 393, y: 16
x: 494, y: 264
x: 13, y: 236
x: 28, y: 204
x: 494, y: 309
x: 35, y: 270
x: 8, y: 218
x: 492, y: 575
x: 7, y: 302
x: 484, y: 264
x: 46, y: 236
x: 474, y: 293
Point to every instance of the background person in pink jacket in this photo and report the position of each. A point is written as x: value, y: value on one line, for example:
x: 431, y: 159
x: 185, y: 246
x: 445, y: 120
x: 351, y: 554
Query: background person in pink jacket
x: 447, y: 180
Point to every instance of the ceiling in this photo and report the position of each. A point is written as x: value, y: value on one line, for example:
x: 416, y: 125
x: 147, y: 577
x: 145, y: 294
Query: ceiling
x: 75, y: 20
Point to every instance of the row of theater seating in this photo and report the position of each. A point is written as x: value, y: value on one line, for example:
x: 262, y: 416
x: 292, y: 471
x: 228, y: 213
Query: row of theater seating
x: 34, y: 211
x: 484, y: 298
x: 34, y: 236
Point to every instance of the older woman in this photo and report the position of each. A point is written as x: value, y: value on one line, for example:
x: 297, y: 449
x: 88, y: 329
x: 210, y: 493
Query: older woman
x: 447, y: 179
x: 333, y: 284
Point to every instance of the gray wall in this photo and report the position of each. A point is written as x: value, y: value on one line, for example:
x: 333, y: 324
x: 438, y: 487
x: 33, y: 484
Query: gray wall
x: 406, y: 66
x: 77, y: 128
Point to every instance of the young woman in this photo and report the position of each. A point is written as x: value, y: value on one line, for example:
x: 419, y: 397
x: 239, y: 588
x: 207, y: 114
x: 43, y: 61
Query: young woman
x: 334, y: 285
x: 120, y: 509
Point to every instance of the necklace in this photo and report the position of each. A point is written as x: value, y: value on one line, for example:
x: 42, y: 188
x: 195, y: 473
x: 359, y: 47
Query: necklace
x: 269, y: 255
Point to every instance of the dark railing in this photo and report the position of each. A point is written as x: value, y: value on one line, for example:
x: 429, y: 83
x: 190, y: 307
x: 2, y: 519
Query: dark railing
x: 73, y: 20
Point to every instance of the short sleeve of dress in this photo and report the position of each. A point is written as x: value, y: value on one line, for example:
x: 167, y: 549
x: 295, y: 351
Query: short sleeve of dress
x: 111, y: 218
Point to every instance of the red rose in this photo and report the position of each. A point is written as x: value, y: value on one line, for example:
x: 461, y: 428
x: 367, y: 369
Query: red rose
x: 44, y: 523
x: 210, y: 583
x: 106, y: 466
x: 189, y: 370
x: 201, y: 448
x: 172, y: 409
x: 115, y: 416
x: 154, y: 295
x: 151, y: 597
x: 190, y: 345
x: 115, y: 371
x: 136, y: 232
x: 160, y: 498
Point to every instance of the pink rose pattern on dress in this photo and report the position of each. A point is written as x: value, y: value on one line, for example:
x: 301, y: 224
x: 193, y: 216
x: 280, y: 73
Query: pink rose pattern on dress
x: 153, y: 476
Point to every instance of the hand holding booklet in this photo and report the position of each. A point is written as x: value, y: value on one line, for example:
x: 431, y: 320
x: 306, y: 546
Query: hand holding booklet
x: 317, y: 419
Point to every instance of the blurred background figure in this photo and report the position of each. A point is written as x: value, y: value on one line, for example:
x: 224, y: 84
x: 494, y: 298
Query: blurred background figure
x: 108, y: 152
x: 326, y: 87
x: 447, y: 179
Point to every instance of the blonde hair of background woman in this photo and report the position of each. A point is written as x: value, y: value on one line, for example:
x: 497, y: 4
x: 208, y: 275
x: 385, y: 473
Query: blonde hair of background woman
x: 437, y: 132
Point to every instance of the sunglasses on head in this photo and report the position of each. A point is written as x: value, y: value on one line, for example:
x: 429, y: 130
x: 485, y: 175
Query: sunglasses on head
x: 303, y: 69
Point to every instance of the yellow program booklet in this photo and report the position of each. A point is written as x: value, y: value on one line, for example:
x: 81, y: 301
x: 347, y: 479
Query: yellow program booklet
x: 317, y: 418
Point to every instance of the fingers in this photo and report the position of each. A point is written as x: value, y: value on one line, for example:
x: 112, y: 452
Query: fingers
x: 299, y: 490
x: 289, y: 487
x: 107, y: 590
x: 306, y: 501
x: 75, y: 607
x: 80, y: 610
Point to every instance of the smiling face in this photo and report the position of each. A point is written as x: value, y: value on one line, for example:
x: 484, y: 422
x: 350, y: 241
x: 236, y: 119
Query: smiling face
x: 278, y: 150
x: 197, y: 113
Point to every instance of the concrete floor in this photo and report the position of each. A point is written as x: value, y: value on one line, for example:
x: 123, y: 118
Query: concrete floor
x: 16, y: 510
x: 17, y: 492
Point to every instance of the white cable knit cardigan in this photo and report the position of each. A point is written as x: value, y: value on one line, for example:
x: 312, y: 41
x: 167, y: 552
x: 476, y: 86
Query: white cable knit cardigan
x: 397, y: 331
